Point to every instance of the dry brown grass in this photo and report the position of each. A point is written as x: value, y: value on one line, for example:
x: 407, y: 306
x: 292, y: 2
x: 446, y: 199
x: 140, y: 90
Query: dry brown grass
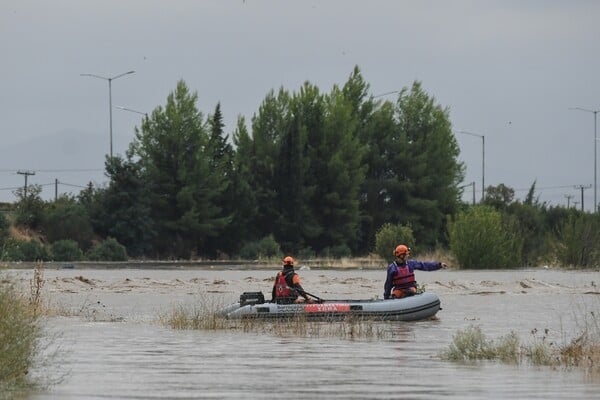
x: 24, y: 234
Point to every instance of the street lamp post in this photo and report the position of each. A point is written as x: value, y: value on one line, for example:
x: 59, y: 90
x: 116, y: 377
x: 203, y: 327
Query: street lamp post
x: 482, y: 160
x: 595, y: 112
x: 109, y: 79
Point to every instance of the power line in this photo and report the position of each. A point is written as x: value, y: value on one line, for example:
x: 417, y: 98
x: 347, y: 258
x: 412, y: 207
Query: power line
x: 545, y: 188
x: 58, y: 170
x: 47, y: 184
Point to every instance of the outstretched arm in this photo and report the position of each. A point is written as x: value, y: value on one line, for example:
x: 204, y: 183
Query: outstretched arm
x: 427, y: 265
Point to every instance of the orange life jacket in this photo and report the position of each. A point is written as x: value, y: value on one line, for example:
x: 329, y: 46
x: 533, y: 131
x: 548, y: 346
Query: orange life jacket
x: 282, y: 289
x: 403, y: 278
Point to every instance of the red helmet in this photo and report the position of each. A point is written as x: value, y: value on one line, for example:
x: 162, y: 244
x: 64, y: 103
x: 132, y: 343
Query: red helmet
x: 288, y: 261
x: 401, y: 249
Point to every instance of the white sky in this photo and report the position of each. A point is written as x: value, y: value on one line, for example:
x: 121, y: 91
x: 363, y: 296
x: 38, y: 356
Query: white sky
x: 509, y: 70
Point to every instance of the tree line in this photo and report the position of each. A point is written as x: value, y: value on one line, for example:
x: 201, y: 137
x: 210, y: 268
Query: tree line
x: 311, y: 174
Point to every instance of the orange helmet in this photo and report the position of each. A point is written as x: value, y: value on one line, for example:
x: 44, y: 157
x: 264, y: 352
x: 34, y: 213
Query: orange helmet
x: 288, y: 261
x: 401, y: 249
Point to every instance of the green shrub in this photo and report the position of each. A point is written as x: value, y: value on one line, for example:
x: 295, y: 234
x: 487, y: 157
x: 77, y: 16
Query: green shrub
x: 4, y: 228
x: 481, y: 238
x: 389, y: 236
x: 267, y: 247
x: 65, y: 219
x: 578, y: 241
x: 66, y: 250
x: 306, y: 254
x: 29, y: 209
x: 11, y: 250
x: 108, y: 250
x: 338, y: 251
x: 34, y: 251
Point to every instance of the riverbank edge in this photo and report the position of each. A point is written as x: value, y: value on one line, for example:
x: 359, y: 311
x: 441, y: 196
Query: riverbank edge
x: 204, y: 264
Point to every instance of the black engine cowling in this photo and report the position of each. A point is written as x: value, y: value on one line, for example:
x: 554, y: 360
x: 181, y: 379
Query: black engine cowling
x: 251, y: 298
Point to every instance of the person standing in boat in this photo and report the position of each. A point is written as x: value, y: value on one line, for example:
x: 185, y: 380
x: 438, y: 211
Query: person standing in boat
x: 400, y: 281
x: 287, y: 288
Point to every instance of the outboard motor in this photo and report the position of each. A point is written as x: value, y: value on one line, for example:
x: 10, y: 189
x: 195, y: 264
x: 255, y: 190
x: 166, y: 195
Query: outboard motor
x: 251, y: 298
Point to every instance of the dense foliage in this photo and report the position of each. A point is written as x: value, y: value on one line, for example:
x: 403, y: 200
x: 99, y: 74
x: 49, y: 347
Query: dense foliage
x: 479, y: 238
x: 314, y: 173
x: 389, y: 236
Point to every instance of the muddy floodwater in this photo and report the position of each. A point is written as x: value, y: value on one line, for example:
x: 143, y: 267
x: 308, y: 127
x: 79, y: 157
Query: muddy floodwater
x: 107, y: 343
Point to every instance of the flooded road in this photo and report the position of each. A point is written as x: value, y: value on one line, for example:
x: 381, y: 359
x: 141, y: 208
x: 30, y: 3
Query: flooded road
x: 111, y: 346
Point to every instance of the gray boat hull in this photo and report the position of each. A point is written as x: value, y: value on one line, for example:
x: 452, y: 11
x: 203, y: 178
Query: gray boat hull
x: 418, y: 307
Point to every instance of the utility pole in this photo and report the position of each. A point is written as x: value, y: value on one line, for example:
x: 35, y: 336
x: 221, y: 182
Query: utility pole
x: 26, y: 173
x: 55, y: 189
x: 582, y: 187
x: 569, y: 197
x: 470, y: 184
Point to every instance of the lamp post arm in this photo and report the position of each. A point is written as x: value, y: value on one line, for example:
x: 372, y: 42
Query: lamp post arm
x: 95, y: 76
x: 123, y: 74
x: 131, y: 110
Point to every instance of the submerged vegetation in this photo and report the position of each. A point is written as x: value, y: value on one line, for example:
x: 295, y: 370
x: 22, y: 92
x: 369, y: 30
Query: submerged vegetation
x: 208, y: 318
x: 582, y: 352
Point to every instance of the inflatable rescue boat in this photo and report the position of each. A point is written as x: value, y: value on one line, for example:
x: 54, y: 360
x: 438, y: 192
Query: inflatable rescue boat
x: 413, y: 308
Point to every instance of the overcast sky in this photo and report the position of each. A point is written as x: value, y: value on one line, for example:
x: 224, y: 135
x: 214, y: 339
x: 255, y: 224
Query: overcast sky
x: 508, y: 70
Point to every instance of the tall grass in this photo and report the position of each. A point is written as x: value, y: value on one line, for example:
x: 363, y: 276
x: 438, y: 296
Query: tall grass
x: 582, y: 352
x: 203, y: 314
x: 206, y: 316
x: 20, y: 333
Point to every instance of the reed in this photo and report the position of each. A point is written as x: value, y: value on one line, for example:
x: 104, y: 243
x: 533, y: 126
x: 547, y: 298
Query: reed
x: 351, y: 328
x: 200, y: 315
x: 20, y: 333
x: 581, y: 352
x: 206, y: 316
x: 36, y: 285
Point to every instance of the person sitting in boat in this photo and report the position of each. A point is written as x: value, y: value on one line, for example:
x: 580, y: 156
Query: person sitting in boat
x: 400, y: 281
x: 287, y: 288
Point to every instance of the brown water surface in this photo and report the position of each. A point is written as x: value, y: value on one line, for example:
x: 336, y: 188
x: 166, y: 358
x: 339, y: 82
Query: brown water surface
x: 111, y: 346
